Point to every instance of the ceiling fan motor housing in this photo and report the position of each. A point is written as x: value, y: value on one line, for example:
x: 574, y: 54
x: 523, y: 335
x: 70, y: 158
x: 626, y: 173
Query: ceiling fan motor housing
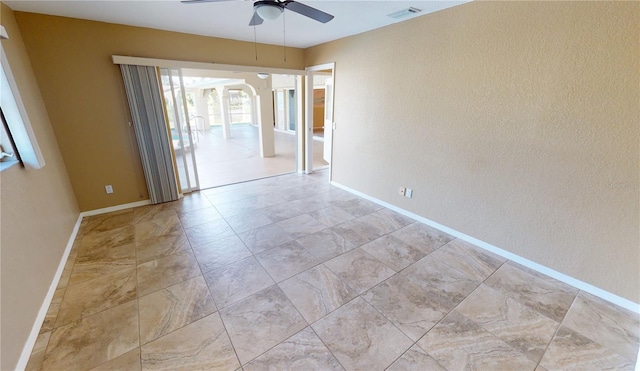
x: 268, y: 10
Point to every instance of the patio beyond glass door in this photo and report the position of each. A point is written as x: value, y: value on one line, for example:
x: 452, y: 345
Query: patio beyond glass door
x: 182, y: 135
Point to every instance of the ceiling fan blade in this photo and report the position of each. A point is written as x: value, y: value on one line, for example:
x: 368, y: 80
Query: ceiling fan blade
x: 308, y: 11
x: 255, y: 20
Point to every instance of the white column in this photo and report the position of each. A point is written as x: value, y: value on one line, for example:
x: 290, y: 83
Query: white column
x: 203, y: 109
x: 265, y: 122
x: 223, y: 95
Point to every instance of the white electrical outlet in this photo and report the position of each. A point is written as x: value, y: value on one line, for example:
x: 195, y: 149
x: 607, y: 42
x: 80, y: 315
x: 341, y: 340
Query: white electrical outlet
x: 408, y: 193
x: 401, y: 191
x: 109, y: 189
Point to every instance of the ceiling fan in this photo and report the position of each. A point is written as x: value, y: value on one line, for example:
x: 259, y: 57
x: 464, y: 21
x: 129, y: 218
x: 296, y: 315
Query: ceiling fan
x: 271, y: 9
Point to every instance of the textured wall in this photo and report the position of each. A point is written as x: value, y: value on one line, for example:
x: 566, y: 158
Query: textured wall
x: 514, y: 122
x: 38, y: 211
x: 84, y: 95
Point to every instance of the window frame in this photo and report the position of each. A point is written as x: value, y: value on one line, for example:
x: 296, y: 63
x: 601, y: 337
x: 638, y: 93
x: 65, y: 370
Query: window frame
x: 18, y: 125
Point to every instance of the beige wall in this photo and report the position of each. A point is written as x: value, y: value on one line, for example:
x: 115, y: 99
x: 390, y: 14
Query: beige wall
x: 38, y: 211
x: 83, y: 92
x: 510, y: 120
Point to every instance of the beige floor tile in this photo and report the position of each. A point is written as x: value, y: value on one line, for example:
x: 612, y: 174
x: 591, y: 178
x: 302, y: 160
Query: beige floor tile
x: 267, y: 197
x: 68, y: 267
x: 325, y: 244
x: 110, y: 238
x: 572, y: 351
x: 393, y: 252
x: 469, y: 259
x: 415, y: 359
x: 336, y: 194
x: 549, y: 297
x: 96, y: 295
x: 164, y: 272
x: 237, y: 281
x: 446, y: 286
x: 360, y: 270
x: 260, y: 322
x: 161, y: 246
x: 615, y: 328
x: 317, y: 292
x: 293, y: 194
x: 358, y: 232
x: 357, y: 206
x: 202, y: 345
x: 220, y: 253
x: 226, y: 194
x: 238, y: 207
x: 286, y: 260
x: 209, y: 232
x: 109, y: 221
x: 406, y: 305
x: 193, y: 218
x: 303, y: 351
x: 361, y: 338
x: 146, y: 213
x: 386, y: 220
x: 331, y: 216
x: 94, y: 340
x: 525, y: 330
x: 192, y: 202
x: 310, y: 204
x: 38, y: 352
x: 281, y: 211
x: 300, y: 226
x: 129, y: 361
x: 265, y: 238
x: 160, y: 226
x: 52, y: 312
x: 248, y: 221
x: 98, y: 261
x: 148, y: 262
x: 176, y: 306
x: 458, y: 343
x: 422, y: 237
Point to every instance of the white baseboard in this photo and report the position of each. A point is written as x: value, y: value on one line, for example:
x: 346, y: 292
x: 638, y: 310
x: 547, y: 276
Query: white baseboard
x: 42, y: 313
x: 610, y: 297
x: 115, y: 208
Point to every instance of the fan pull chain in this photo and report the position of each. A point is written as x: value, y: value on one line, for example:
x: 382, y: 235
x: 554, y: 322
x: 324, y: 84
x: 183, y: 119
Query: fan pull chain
x: 284, y: 37
x: 255, y: 41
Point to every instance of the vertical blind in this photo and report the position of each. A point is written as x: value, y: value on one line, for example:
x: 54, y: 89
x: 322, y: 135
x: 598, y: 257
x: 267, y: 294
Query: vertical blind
x: 145, y: 103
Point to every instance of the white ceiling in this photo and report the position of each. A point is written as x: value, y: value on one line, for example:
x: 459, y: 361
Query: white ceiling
x: 230, y: 19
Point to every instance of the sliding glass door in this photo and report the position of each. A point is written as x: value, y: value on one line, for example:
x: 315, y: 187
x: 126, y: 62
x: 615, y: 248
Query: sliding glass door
x: 182, y: 134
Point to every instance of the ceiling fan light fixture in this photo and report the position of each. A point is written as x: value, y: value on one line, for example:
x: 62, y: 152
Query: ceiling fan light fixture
x: 267, y: 10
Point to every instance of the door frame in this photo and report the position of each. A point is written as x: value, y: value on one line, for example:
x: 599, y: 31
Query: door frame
x: 181, y: 64
x: 308, y: 122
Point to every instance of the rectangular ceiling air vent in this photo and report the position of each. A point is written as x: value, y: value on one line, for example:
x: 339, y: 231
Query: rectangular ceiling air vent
x: 404, y: 13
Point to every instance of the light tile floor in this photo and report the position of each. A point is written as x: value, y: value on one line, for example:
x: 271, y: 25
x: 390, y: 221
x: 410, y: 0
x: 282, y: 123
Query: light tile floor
x: 292, y: 273
x: 237, y: 159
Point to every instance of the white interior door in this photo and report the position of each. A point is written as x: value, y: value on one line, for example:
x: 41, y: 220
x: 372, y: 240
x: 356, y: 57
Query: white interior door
x: 328, y: 119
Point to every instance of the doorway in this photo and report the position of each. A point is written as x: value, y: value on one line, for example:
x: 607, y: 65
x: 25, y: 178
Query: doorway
x: 226, y: 124
x: 319, y: 123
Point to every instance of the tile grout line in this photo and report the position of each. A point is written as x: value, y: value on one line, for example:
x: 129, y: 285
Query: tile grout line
x: 560, y: 324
